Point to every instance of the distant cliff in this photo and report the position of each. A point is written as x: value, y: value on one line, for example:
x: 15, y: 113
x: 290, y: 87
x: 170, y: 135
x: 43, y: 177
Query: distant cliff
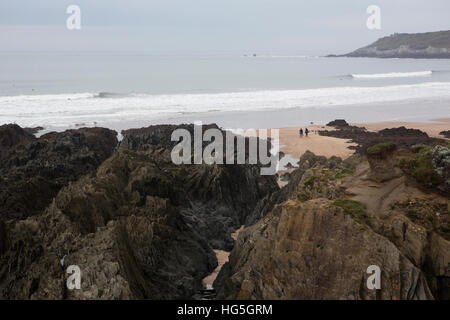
x: 435, y: 45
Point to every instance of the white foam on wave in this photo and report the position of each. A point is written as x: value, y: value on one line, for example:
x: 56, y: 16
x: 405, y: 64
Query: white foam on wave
x: 64, y: 110
x: 393, y: 75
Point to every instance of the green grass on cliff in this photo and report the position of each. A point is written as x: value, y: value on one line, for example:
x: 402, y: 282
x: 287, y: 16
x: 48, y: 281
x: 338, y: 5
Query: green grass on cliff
x: 381, y: 148
x: 343, y: 173
x: 355, y: 209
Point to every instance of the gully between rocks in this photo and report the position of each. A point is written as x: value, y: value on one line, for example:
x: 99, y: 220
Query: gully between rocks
x: 208, y: 291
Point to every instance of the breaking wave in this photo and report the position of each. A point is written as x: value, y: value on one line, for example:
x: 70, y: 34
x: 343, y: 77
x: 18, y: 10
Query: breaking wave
x: 393, y: 75
x: 64, y: 110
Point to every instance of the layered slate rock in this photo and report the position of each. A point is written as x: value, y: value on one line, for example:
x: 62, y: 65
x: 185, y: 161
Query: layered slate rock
x: 138, y: 227
x: 317, y: 238
x: 313, y: 250
x: 32, y: 171
x: 117, y: 226
x: 220, y: 197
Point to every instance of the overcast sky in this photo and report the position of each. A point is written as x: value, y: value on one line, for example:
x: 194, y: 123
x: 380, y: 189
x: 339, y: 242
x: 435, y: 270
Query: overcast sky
x: 212, y: 26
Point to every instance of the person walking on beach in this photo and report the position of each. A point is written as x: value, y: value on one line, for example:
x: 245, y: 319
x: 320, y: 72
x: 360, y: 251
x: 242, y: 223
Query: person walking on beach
x: 301, y: 132
x: 306, y: 131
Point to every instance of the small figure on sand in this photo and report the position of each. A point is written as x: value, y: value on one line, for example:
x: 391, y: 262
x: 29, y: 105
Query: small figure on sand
x: 301, y: 132
x: 306, y: 131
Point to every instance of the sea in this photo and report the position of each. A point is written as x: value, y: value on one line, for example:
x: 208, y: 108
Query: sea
x: 60, y: 90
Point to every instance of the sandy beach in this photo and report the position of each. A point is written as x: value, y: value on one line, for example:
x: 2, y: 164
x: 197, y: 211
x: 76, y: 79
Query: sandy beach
x: 292, y: 144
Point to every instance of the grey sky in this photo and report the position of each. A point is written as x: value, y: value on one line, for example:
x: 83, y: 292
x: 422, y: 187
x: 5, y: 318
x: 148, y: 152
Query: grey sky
x: 212, y: 26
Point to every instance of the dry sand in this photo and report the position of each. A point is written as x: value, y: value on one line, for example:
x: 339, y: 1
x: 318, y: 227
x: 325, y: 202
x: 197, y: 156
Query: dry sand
x: 291, y: 143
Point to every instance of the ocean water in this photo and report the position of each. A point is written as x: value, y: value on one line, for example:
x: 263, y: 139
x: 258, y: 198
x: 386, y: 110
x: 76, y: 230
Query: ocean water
x: 63, y: 90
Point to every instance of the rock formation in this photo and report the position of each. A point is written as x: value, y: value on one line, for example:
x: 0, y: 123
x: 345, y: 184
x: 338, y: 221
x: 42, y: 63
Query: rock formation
x: 32, y: 171
x: 402, y: 137
x: 313, y: 250
x: 327, y: 226
x: 138, y: 227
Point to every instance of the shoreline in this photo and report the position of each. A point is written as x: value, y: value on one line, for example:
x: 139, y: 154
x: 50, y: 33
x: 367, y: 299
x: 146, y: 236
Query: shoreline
x: 410, y: 110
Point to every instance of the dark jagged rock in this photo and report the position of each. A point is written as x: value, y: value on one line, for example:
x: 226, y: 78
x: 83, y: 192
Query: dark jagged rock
x: 12, y: 135
x: 127, y: 243
x: 445, y: 134
x: 143, y: 138
x: 402, y: 137
x: 33, y: 130
x: 221, y: 197
x: 34, y: 170
x: 140, y: 227
x: 2, y: 237
x: 403, y: 132
x: 338, y: 123
x: 160, y: 135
